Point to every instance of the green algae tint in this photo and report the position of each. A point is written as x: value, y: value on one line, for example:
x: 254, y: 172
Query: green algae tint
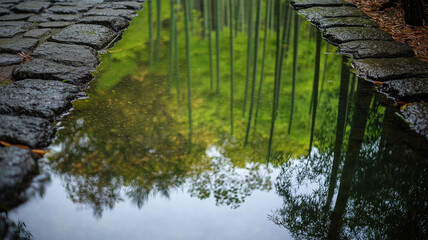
x: 124, y: 165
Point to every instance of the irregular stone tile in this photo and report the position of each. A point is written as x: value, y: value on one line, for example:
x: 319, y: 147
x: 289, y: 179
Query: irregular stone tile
x: 35, y: 19
x: 375, y: 49
x: 121, y: 5
x: 54, y: 24
x: 67, y: 54
x: 330, y: 12
x: 417, y: 115
x: 33, y: 132
x: 17, y: 24
x: 115, y: 23
x: 31, y: 7
x: 4, y: 11
x: 12, y: 1
x: 10, y: 31
x: 383, y: 69
x: 406, y: 90
x: 14, y: 17
x: 37, y: 33
x: 324, y: 23
x: 6, y: 5
x: 127, y: 14
x: 17, y: 45
x: 338, y: 35
x: 9, y: 59
x: 300, y: 4
x: 38, y: 98
x: 17, y: 169
x: 85, y: 34
x: 44, y: 69
x: 74, y: 9
x: 61, y: 17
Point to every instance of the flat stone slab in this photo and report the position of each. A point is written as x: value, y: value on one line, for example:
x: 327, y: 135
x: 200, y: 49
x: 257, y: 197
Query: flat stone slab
x: 32, y: 132
x: 17, y: 45
x: 37, y: 33
x: 384, y: 69
x: 31, y: 7
x: 58, y: 9
x: 38, y: 98
x: 62, y: 17
x: 114, y: 23
x: 9, y: 59
x: 17, y: 169
x: 17, y: 24
x: 300, y: 4
x: 44, y: 69
x: 14, y: 17
x: 4, y: 11
x: 121, y: 5
x: 331, y: 12
x: 338, y: 35
x: 127, y: 14
x: 67, y: 54
x: 416, y: 115
x: 10, y: 31
x: 36, y: 19
x: 406, y: 90
x: 95, y: 36
x: 324, y: 23
x: 59, y: 24
x: 375, y: 49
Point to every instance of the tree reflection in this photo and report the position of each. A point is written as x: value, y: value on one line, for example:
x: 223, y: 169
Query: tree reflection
x: 382, y: 192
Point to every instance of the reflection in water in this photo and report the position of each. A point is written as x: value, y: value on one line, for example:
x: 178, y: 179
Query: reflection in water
x: 382, y: 192
x: 135, y: 139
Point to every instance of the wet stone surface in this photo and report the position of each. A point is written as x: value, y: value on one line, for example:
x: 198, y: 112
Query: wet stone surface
x: 44, y: 69
x: 127, y: 14
x: 300, y: 4
x: 375, y: 49
x: 330, y: 12
x: 406, y: 90
x: 95, y: 36
x: 31, y: 7
x: 17, y: 45
x: 324, y: 23
x: 59, y: 24
x: 58, y: 9
x: 416, y: 115
x: 383, y: 69
x: 33, y: 132
x: 338, y: 35
x: 114, y: 23
x: 37, y: 33
x: 10, y: 31
x: 121, y: 5
x: 61, y: 17
x: 67, y: 54
x: 9, y: 59
x: 38, y: 98
x: 14, y: 17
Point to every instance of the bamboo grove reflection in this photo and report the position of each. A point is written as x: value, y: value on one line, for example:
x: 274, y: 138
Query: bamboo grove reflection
x: 208, y: 92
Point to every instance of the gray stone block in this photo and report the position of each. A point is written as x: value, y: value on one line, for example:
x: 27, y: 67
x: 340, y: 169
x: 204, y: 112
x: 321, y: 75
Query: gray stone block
x: 31, y: 7
x: 61, y: 17
x: 38, y: 98
x: 416, y: 115
x: 9, y: 59
x: 32, y: 132
x: 59, y: 24
x: 406, y: 90
x: 17, y: 45
x: 384, y: 69
x: 330, y: 12
x: 300, y: 4
x: 127, y: 14
x: 121, y: 5
x: 67, y: 54
x: 114, y: 23
x: 375, y: 49
x: 324, y: 23
x: 10, y: 31
x: 95, y: 36
x: 338, y: 35
x: 44, y: 69
x: 14, y: 17
x: 37, y: 33
x: 74, y: 9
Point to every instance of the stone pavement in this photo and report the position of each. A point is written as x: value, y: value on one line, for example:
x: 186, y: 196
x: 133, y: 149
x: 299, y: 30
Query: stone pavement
x: 376, y: 57
x: 48, y: 50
